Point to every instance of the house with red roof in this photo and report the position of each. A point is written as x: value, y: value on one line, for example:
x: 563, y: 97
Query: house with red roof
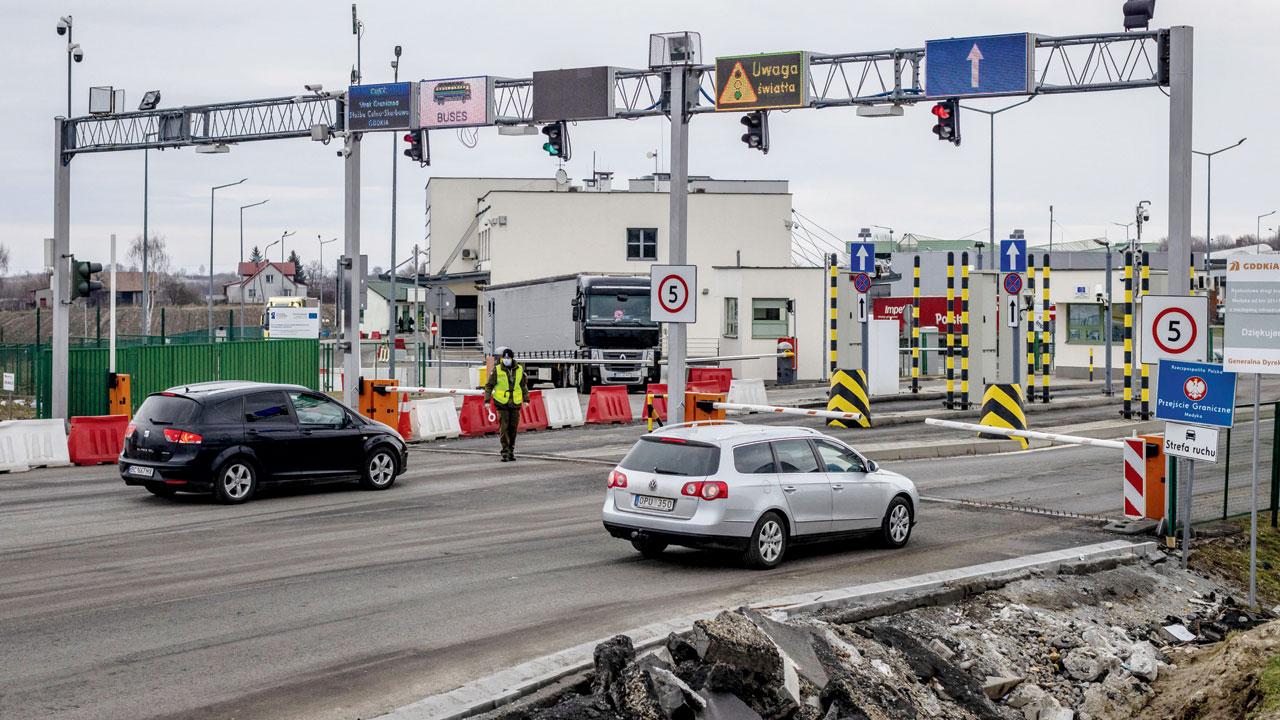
x: 260, y: 281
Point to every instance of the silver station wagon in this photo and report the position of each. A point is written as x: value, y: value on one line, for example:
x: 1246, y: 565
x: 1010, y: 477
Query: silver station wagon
x: 752, y: 489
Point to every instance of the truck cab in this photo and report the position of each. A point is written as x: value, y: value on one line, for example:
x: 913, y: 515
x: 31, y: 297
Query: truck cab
x: 611, y: 322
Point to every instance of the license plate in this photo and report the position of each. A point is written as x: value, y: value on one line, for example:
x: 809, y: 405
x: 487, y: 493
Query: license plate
x: 141, y: 471
x: 646, y: 502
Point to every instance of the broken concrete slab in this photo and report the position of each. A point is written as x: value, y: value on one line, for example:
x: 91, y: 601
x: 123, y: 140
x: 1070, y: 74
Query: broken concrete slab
x: 724, y: 706
x: 997, y: 687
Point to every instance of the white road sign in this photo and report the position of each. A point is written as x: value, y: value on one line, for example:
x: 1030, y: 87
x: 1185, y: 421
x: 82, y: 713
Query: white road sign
x: 1252, y: 338
x: 1191, y: 441
x: 9, y: 382
x: 290, y: 322
x: 862, y: 307
x: 1174, y: 327
x: 1011, y: 311
x: 674, y: 293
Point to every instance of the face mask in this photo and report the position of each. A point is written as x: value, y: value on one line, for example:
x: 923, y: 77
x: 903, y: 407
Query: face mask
x: 506, y: 362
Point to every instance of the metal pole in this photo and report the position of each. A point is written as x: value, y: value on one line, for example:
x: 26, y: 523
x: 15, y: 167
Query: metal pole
x: 678, y: 196
x: 351, y: 244
x: 1208, y: 214
x: 1180, y: 116
x: 146, y: 241
x: 395, y: 146
x: 991, y: 189
x: 1107, y: 388
x: 1253, y: 497
x: 1050, y: 229
x: 209, y: 296
x: 1188, y: 496
x: 111, y: 343
x: 70, y: 29
x: 58, y: 338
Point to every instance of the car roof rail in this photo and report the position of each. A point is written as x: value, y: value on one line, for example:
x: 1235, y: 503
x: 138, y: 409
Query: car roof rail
x: 694, y: 423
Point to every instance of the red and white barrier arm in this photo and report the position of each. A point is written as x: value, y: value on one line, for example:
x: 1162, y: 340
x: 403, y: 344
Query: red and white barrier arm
x: 829, y: 414
x: 1033, y: 434
x: 434, y: 390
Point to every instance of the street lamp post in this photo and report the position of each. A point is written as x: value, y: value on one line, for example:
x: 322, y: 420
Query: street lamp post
x: 1208, y: 198
x: 1106, y: 325
x: 1126, y: 227
x: 242, y: 209
x: 146, y: 239
x: 284, y: 235
x: 395, y: 146
x: 322, y: 244
x: 1257, y: 233
x: 991, y: 177
x: 209, y: 296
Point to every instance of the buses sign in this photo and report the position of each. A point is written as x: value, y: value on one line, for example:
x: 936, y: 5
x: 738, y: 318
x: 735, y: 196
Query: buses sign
x: 762, y: 82
x: 455, y: 102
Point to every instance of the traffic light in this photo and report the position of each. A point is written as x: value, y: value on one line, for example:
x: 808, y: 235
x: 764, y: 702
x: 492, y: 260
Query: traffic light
x: 82, y: 283
x: 757, y: 135
x: 557, y: 144
x: 419, y: 148
x: 948, y: 125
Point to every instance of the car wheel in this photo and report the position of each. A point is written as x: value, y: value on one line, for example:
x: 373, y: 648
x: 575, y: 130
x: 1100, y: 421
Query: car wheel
x: 768, y: 543
x: 379, y: 470
x: 164, y: 491
x: 649, y: 547
x: 896, y: 528
x: 235, y: 482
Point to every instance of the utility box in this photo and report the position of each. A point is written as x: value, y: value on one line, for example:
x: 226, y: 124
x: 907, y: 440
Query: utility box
x: 1156, y: 488
x: 119, y: 394
x: 379, y: 402
x: 787, y: 362
x: 697, y: 406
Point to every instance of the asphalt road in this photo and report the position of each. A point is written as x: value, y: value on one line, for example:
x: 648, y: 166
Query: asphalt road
x: 343, y: 603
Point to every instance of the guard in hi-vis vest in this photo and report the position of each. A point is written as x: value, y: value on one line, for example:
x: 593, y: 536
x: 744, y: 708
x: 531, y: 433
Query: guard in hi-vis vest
x: 507, y: 387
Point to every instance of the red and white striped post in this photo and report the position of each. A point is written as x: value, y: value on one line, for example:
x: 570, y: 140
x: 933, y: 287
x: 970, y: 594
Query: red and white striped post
x: 1135, y: 478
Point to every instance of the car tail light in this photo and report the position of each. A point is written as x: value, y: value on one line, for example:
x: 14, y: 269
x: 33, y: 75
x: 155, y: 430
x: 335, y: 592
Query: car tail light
x: 706, y: 489
x: 617, y: 480
x: 128, y: 429
x: 182, y: 437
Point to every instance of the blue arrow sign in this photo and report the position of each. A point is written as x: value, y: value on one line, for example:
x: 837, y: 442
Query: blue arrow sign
x: 979, y: 66
x: 1013, y: 256
x: 862, y: 257
x: 1198, y: 393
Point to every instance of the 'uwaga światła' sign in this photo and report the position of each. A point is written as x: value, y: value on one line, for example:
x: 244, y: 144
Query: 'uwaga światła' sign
x: 762, y: 82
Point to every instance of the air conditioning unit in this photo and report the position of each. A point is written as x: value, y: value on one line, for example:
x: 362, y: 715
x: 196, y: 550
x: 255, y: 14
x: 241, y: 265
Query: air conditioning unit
x: 468, y: 254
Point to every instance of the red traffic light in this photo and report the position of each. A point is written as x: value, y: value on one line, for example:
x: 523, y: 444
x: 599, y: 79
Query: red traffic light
x: 941, y: 111
x: 410, y: 138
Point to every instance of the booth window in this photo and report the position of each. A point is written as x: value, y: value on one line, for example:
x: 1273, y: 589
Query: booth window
x: 731, y: 317
x: 768, y: 318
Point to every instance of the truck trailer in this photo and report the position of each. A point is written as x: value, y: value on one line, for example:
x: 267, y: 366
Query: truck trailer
x: 560, y: 325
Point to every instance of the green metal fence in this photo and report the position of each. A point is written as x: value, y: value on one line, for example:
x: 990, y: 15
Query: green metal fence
x: 153, y: 368
x: 20, y: 359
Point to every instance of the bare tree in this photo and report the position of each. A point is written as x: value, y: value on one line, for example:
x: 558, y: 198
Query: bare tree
x: 158, y: 266
x: 4, y: 259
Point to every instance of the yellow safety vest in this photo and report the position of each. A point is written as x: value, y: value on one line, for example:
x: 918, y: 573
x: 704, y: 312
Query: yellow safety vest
x: 503, y: 392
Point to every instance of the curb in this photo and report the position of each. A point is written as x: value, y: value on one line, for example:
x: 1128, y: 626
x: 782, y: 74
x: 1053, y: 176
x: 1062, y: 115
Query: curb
x: 487, y: 693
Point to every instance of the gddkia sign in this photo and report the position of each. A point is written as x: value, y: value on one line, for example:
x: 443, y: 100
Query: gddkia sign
x: 1252, y: 342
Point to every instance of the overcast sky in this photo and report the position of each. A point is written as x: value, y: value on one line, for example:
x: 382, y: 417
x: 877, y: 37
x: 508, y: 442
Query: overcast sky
x: 1092, y: 156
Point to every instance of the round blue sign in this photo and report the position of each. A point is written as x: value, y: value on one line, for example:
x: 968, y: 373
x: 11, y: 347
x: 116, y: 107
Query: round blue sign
x: 861, y: 282
x: 1013, y: 283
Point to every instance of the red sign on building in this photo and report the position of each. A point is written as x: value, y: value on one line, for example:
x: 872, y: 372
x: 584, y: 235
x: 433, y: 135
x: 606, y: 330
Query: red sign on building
x: 933, y: 310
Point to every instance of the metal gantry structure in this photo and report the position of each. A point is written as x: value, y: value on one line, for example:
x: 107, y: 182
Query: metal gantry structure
x: 1066, y: 64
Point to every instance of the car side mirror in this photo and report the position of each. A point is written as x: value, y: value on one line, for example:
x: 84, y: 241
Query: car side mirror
x: 872, y: 466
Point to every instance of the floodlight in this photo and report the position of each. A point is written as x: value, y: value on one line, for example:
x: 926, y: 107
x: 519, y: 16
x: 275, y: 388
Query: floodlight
x: 675, y: 48
x: 150, y: 99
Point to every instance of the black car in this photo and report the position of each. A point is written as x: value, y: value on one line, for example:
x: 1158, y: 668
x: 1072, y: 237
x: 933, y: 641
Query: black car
x: 227, y: 437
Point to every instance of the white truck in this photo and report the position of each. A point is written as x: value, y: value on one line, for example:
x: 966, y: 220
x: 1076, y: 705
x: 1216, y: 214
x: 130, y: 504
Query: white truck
x: 558, y: 325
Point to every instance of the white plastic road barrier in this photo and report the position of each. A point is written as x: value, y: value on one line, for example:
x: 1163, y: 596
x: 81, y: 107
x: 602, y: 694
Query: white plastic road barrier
x: 434, y: 419
x: 563, y: 408
x: 747, y: 392
x: 1008, y: 432
x: 13, y: 454
x: 37, y: 443
x: 831, y: 414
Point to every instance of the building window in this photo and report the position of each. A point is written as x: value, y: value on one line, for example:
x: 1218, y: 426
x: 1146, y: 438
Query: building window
x: 642, y: 243
x: 1085, y: 324
x: 768, y: 318
x: 731, y: 317
x: 252, y: 293
x: 269, y: 279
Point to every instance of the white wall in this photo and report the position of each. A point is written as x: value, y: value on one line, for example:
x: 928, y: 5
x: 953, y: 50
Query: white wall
x: 549, y: 234
x: 453, y: 202
x: 806, y: 286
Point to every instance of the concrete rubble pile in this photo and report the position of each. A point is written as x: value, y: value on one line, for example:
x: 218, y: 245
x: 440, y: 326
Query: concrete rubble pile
x: 1085, y: 643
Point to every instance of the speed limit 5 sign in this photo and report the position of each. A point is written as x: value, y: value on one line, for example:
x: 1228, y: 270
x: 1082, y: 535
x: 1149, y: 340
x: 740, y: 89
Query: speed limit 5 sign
x: 673, y: 290
x: 1174, y: 327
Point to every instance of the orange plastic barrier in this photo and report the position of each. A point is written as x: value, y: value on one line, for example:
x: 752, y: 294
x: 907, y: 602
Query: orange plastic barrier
x: 533, y: 414
x: 608, y: 404
x: 474, y: 419
x: 96, y: 439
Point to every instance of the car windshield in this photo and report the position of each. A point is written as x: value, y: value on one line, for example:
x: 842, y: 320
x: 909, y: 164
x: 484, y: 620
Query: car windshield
x: 672, y: 456
x: 618, y: 307
x: 166, y: 410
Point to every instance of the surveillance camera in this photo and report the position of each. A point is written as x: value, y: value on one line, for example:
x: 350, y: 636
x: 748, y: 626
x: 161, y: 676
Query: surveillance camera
x: 314, y: 87
x: 344, y: 152
x: 64, y: 24
x: 397, y: 51
x: 77, y: 54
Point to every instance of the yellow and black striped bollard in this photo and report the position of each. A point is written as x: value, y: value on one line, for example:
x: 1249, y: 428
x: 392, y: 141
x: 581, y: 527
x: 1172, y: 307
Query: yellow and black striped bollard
x: 1002, y: 408
x: 849, y: 394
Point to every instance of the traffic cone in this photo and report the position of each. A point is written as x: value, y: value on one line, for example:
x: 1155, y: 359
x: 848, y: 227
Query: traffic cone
x: 403, y: 426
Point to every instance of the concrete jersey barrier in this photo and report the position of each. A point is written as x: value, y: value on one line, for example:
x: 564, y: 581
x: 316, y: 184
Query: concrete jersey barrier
x: 747, y: 392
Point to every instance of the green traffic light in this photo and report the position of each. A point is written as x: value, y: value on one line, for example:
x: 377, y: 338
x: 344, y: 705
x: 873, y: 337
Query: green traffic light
x: 551, y: 149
